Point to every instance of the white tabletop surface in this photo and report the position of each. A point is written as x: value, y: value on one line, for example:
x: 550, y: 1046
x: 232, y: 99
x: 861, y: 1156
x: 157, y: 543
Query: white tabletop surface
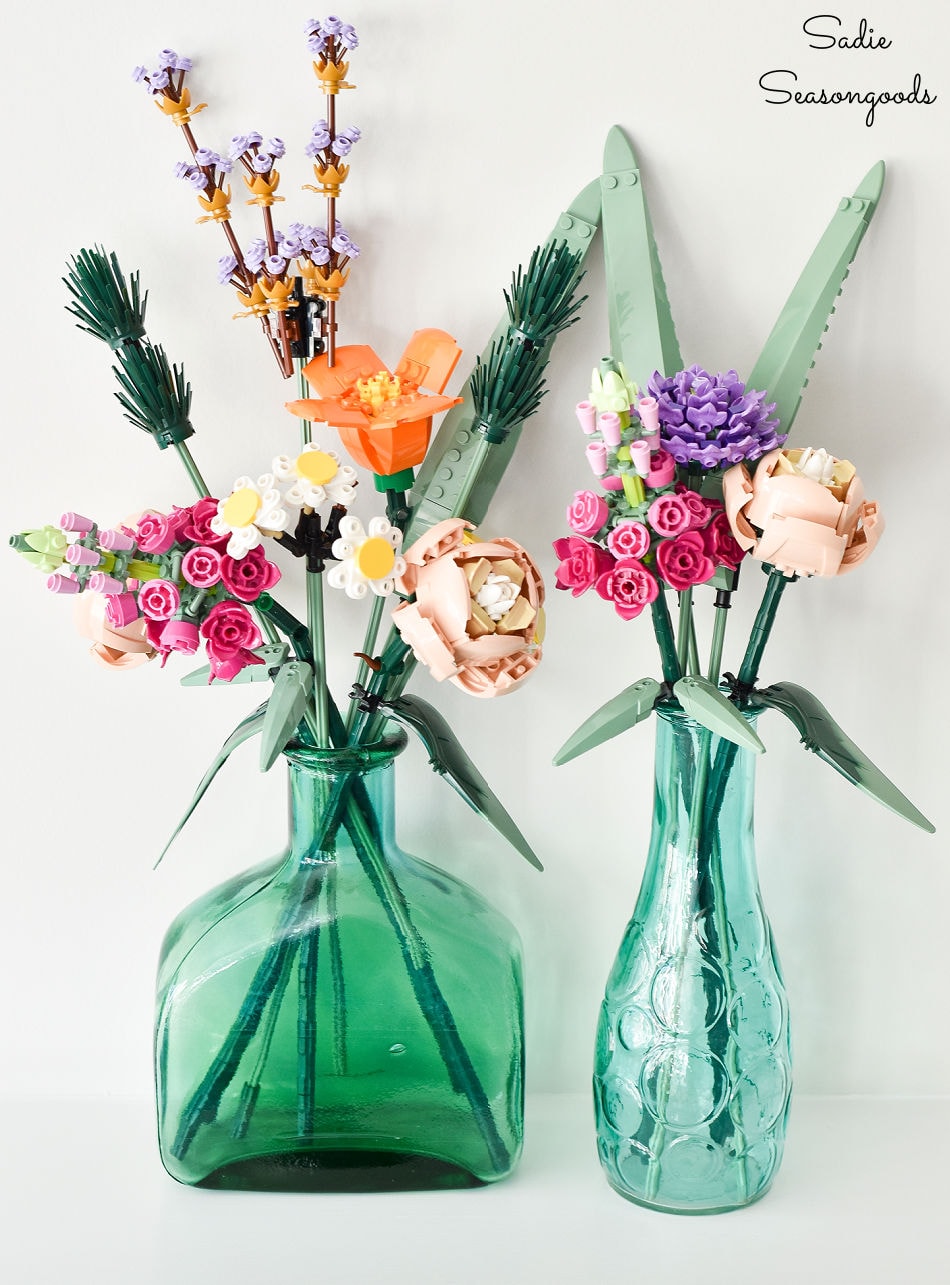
x: 861, y: 1199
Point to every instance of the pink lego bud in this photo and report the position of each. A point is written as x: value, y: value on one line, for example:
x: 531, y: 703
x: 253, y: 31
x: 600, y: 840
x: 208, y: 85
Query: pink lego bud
x: 180, y: 635
x: 70, y: 521
x: 640, y: 457
x: 80, y: 556
x: 59, y: 583
x: 662, y: 470
x: 121, y: 610
x: 116, y: 539
x: 99, y: 582
x: 609, y: 425
x: 597, y: 458
x: 649, y: 412
x: 612, y: 483
x: 586, y: 416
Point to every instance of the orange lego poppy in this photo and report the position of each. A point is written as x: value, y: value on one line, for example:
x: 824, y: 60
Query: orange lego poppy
x: 383, y: 418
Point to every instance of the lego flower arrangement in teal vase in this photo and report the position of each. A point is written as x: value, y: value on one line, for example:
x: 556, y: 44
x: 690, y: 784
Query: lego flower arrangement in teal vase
x: 344, y: 1015
x: 692, y: 1075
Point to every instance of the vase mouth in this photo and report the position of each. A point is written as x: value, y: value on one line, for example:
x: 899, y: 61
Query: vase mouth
x: 672, y: 712
x: 348, y: 758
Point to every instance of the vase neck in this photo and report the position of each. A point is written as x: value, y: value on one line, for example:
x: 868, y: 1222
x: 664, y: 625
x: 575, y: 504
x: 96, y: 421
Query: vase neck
x: 326, y: 784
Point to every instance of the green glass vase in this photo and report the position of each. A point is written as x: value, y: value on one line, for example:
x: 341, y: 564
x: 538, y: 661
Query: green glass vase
x: 345, y: 1017
x: 692, y: 1065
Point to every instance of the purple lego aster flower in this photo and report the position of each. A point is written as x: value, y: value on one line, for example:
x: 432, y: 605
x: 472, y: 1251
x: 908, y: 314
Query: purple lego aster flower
x: 713, y: 421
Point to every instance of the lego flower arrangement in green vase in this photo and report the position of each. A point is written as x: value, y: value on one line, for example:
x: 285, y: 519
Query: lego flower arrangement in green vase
x: 692, y: 1076
x: 343, y: 1015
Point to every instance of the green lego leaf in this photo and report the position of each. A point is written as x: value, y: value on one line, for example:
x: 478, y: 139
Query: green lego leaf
x: 642, y: 334
x: 705, y: 703
x: 627, y: 709
x: 448, y: 758
x: 285, y: 708
x: 790, y: 350
x: 247, y: 728
x: 822, y: 735
x: 106, y: 303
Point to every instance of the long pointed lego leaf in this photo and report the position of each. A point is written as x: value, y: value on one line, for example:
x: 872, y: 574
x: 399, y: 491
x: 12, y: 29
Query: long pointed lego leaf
x: 790, y: 350
x: 624, y: 711
x: 285, y: 709
x: 447, y: 757
x: 444, y: 471
x: 705, y: 703
x: 642, y: 334
x: 247, y: 728
x: 822, y: 735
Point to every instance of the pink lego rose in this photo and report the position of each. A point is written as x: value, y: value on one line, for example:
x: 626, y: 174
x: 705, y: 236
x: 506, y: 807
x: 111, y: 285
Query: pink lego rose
x: 586, y: 513
x: 683, y: 561
x: 477, y: 617
x: 154, y: 533
x: 248, y: 577
x: 201, y: 566
x: 803, y: 511
x: 198, y: 525
x: 159, y: 599
x: 230, y: 633
x: 629, y: 586
x: 721, y: 544
x: 669, y: 515
x: 700, y: 509
x: 629, y: 539
x: 581, y: 564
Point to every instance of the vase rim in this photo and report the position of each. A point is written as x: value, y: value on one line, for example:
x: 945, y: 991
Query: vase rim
x: 349, y: 758
x: 674, y: 713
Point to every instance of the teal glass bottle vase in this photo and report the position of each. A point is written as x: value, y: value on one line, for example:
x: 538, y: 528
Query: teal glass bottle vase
x: 344, y: 1017
x: 692, y: 1065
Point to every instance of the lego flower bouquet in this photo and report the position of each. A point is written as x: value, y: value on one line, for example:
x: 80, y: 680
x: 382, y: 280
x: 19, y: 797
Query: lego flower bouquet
x: 693, y: 484
x: 343, y: 1015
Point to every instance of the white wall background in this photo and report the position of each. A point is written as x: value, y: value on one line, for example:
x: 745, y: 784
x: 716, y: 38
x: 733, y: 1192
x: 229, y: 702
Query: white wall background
x: 480, y: 123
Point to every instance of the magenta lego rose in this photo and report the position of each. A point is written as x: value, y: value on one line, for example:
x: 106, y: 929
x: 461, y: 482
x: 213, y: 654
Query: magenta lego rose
x: 683, y: 561
x: 198, y: 525
x: 700, y: 509
x: 248, y: 577
x: 159, y: 599
x: 230, y: 634
x: 154, y: 533
x: 721, y: 544
x: 581, y: 564
x: 629, y: 539
x: 586, y: 513
x: 669, y: 515
x: 629, y: 586
x: 201, y: 566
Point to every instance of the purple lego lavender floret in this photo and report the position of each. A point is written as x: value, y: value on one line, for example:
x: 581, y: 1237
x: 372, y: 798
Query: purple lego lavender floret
x: 167, y: 58
x: 196, y: 179
x: 319, y: 254
x: 255, y: 254
x: 275, y: 147
x: 205, y: 156
x: 159, y: 80
x: 331, y: 24
x: 352, y: 132
x: 262, y: 163
x: 713, y: 421
x: 274, y: 265
x: 182, y: 169
x: 139, y: 73
x: 183, y: 64
x: 341, y: 146
x: 226, y: 265
x: 348, y: 37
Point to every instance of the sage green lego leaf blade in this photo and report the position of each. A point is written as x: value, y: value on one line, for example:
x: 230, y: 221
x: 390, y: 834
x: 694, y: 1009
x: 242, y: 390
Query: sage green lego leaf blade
x: 642, y: 334
x: 705, y: 703
x: 790, y: 350
x: 822, y: 735
x: 288, y: 700
x: 448, y: 758
x: 445, y: 465
x: 631, y: 706
x: 247, y: 728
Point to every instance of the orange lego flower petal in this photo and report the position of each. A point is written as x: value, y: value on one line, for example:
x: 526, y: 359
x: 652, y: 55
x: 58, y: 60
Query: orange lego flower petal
x: 386, y: 449
x: 328, y: 411
x: 430, y: 357
x: 352, y: 362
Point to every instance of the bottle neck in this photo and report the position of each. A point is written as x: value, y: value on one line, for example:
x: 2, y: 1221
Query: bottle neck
x: 325, y: 788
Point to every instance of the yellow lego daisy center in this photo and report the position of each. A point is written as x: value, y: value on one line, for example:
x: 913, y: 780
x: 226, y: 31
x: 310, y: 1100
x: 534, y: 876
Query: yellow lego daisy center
x: 316, y: 467
x: 375, y: 391
x: 375, y: 558
x: 241, y: 507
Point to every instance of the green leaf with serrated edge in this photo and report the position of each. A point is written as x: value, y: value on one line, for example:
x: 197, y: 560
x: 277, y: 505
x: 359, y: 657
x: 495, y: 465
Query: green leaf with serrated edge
x: 705, y: 703
x: 624, y: 711
x: 447, y: 757
x: 285, y: 709
x: 822, y: 735
x: 272, y: 654
x: 247, y: 728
